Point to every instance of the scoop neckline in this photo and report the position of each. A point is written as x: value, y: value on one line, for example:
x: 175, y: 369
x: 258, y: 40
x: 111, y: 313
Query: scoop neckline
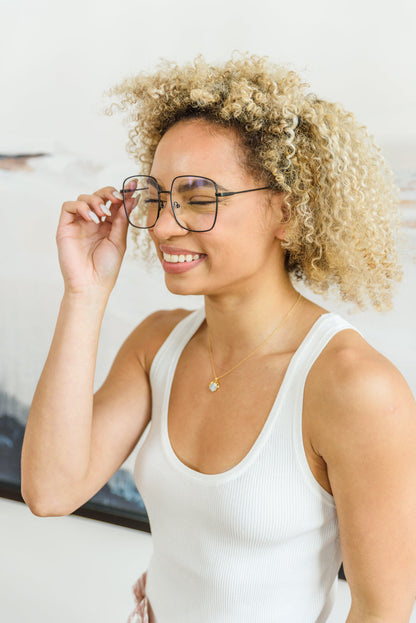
x: 235, y: 470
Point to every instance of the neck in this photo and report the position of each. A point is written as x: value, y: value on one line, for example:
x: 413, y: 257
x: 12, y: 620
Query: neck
x: 239, y: 322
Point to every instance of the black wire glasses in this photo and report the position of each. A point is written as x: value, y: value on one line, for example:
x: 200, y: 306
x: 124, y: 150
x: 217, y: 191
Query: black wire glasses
x: 194, y: 201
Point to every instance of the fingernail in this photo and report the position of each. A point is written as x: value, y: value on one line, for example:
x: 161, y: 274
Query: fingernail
x: 103, y: 219
x: 117, y: 195
x: 94, y: 217
x: 105, y: 209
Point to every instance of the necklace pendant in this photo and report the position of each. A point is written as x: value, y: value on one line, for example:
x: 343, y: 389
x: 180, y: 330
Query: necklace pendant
x: 214, y: 386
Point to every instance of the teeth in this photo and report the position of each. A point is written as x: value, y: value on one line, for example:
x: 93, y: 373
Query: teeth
x: 173, y: 259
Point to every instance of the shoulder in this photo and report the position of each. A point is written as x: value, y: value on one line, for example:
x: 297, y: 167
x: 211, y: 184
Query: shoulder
x: 365, y: 432
x: 357, y: 394
x: 149, y: 335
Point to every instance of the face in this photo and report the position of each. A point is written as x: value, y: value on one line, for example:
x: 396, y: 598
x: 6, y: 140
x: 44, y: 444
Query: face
x: 244, y: 245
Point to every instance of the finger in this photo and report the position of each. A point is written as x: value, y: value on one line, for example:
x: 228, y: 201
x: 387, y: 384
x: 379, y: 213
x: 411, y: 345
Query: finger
x: 99, y: 206
x: 109, y: 193
x: 127, y: 198
x: 76, y: 210
x: 119, y: 227
x: 131, y: 194
x: 96, y: 207
x: 103, y: 200
x: 110, y: 210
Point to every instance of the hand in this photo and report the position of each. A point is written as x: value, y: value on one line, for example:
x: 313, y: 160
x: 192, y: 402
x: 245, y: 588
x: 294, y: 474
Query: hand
x: 90, y: 248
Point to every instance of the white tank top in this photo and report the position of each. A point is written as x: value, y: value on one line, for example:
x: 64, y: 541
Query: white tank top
x: 259, y: 542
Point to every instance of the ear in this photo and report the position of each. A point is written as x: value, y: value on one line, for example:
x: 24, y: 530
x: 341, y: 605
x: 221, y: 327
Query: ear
x: 282, y: 215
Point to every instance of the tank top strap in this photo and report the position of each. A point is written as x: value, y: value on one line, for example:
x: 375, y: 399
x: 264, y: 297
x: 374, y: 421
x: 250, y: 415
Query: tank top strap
x: 325, y: 328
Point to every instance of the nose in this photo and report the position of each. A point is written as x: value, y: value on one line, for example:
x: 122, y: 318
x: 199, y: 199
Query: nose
x: 166, y: 225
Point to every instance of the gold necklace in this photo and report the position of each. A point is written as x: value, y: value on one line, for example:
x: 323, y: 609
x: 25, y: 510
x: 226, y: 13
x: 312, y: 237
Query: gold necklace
x: 214, y: 385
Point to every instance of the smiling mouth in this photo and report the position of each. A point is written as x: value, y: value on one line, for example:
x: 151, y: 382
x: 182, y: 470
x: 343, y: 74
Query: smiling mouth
x: 178, y: 259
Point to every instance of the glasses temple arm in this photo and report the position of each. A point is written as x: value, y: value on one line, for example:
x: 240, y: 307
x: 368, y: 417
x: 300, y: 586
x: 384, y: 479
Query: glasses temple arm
x: 239, y: 192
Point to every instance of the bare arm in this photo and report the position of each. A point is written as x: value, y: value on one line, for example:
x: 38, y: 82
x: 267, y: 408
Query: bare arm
x: 75, y: 441
x: 65, y: 456
x: 368, y: 440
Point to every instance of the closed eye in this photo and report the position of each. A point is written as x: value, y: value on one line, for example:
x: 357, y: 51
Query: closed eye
x: 201, y: 202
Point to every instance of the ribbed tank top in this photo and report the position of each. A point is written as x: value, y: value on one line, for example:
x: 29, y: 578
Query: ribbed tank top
x: 258, y: 542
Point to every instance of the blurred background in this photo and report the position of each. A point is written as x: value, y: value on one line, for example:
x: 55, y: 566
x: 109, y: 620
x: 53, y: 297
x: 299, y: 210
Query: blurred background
x: 57, y: 59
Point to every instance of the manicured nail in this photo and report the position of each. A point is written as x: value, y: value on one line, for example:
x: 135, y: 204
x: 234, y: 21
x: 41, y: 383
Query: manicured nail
x: 94, y: 217
x: 103, y: 219
x: 117, y: 195
x: 105, y: 209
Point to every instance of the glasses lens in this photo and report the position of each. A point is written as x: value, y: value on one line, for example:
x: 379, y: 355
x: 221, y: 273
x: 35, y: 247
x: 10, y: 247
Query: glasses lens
x: 194, y: 202
x: 141, y: 200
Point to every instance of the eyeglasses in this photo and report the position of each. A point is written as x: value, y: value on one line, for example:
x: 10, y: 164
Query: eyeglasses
x: 194, y: 201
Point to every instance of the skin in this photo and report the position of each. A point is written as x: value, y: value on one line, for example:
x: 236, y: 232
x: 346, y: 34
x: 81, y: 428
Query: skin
x: 359, y: 419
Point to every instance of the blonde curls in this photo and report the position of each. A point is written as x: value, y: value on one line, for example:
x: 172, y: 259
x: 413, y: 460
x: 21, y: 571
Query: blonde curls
x: 343, y: 215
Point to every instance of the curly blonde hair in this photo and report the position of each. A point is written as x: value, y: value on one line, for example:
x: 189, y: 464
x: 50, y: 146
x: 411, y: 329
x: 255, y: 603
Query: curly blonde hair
x: 342, y: 204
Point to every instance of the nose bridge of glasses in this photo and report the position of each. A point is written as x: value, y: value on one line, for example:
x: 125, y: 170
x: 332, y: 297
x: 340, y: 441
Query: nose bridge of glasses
x: 163, y: 201
x: 166, y: 218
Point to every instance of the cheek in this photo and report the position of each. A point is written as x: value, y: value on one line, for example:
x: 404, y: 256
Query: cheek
x: 254, y: 229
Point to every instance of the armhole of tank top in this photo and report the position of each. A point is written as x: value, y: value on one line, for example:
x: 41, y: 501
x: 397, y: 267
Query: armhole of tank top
x: 333, y: 325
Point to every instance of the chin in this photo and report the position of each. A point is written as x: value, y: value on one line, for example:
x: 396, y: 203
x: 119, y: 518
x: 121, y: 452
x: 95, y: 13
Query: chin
x: 180, y: 287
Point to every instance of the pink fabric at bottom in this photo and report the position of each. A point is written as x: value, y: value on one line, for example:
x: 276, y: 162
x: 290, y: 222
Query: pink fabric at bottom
x: 141, y: 612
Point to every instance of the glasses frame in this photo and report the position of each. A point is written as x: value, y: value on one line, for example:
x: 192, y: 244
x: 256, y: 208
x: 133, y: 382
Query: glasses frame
x: 169, y: 192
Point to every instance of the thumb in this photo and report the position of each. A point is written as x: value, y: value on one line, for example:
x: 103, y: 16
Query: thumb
x: 119, y: 227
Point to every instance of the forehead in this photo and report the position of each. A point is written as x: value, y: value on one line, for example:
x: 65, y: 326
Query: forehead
x: 199, y: 147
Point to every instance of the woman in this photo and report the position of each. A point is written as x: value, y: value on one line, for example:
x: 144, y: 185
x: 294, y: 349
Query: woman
x: 280, y: 441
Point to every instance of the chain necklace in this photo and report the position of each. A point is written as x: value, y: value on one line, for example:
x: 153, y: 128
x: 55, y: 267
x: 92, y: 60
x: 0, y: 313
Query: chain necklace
x: 214, y: 385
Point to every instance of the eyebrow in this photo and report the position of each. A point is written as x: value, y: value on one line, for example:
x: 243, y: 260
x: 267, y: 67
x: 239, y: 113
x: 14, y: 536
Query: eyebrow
x: 204, y: 183
x: 187, y: 186
x: 196, y: 184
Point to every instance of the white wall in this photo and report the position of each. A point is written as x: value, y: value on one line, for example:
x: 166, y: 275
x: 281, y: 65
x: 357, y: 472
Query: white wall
x: 61, y: 56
